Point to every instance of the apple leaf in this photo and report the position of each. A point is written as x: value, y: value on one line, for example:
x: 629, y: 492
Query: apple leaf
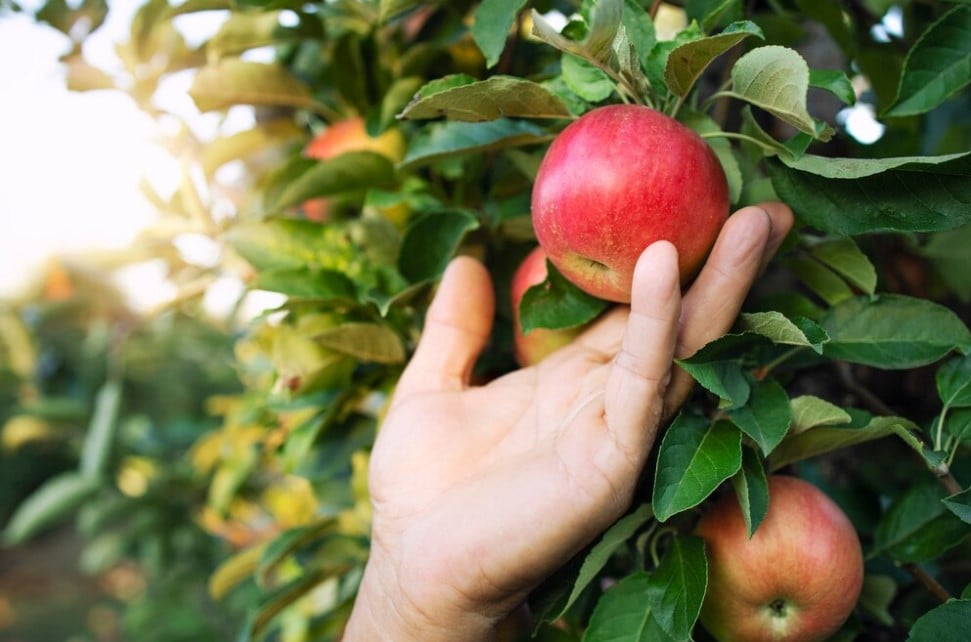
x: 345, y: 173
x: 954, y: 382
x: 819, y: 278
x: 883, y: 195
x: 918, y: 527
x: 447, y: 139
x: 54, y: 500
x: 430, y: 243
x: 371, y: 342
x: 308, y: 284
x: 776, y: 79
x: 677, y: 586
x: 695, y: 456
x: 250, y: 30
x: 600, y: 554
x: 557, y: 303
x: 495, y: 97
x: 937, y: 66
x: 844, y: 256
x: 100, y: 435
x: 775, y: 326
x: 827, y: 438
x: 893, y: 331
x: 605, y: 21
x: 948, y: 252
x: 766, y: 416
x: 835, y: 81
x: 809, y: 412
x: 493, y: 19
x: 687, y: 62
x: 288, y: 243
x: 945, y: 623
x: 275, y: 133
x: 878, y: 593
x: 623, y: 614
x: 752, y: 490
x: 585, y: 80
x: 958, y: 424
x: 960, y: 505
x: 717, y: 366
x: 232, y: 81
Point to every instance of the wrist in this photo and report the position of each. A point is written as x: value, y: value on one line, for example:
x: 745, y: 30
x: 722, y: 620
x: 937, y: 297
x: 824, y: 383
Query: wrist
x: 385, y: 611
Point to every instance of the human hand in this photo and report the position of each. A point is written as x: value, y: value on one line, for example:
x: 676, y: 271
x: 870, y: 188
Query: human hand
x: 480, y: 493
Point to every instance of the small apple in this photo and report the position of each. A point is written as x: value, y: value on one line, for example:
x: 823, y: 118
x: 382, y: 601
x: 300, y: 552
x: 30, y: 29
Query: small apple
x: 616, y: 180
x: 534, y: 347
x: 345, y: 136
x: 796, y: 580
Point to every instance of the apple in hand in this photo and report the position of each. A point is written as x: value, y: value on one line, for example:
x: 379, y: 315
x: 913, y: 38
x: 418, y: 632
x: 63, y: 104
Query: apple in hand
x: 616, y: 180
x: 534, y: 347
x: 796, y: 580
x: 346, y: 136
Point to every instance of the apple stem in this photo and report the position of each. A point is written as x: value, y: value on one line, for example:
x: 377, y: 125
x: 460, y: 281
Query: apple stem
x: 655, y: 6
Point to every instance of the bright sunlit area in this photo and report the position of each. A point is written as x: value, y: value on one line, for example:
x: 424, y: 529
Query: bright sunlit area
x: 72, y: 161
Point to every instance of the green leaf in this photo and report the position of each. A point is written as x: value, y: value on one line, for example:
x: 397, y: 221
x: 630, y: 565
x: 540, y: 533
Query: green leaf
x: 492, y: 21
x: 724, y: 379
x: 56, y: 499
x: 954, y: 382
x: 835, y: 81
x: 695, y: 457
x: 937, y: 66
x: 289, y: 243
x: 779, y: 329
x: 958, y: 424
x: 364, y: 341
x: 431, y: 241
x: 945, y: 623
x: 775, y: 79
x: 960, y: 505
x: 388, y: 9
x: 248, y: 30
x: 231, y: 81
x: 677, y: 587
x: 557, y: 303
x: 345, y: 173
x: 605, y: 21
x: 623, y: 614
x: 586, y: 80
x: 819, y: 278
x: 893, y: 331
x: 948, y: 252
x: 490, y: 99
x: 307, y: 283
x: 705, y: 126
x: 918, y: 527
x: 824, y: 438
x: 448, y: 139
x: 220, y: 151
x: 876, y: 597
x: 809, y: 412
x: 686, y: 63
x: 928, y: 195
x: 766, y: 416
x: 100, y: 436
x: 844, y: 257
x: 710, y: 13
x: 600, y: 554
x: 752, y: 490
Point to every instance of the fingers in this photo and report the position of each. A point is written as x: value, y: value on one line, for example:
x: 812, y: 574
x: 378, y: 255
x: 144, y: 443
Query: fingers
x: 745, y: 245
x: 457, y: 326
x: 639, y: 372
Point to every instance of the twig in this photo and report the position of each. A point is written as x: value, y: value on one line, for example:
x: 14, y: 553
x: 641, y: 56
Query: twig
x: 870, y: 400
x: 930, y: 583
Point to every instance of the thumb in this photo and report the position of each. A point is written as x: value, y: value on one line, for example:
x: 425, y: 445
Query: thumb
x: 457, y: 327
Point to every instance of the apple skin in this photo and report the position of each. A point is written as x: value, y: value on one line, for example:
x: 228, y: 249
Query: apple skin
x: 798, y: 578
x: 345, y: 136
x: 614, y: 181
x: 532, y: 348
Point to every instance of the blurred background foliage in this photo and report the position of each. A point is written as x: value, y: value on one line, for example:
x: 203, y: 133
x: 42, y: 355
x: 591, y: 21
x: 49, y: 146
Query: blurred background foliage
x: 217, y: 466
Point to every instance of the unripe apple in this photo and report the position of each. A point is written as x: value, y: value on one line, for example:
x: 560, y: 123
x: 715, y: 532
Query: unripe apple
x: 349, y: 135
x: 534, y: 347
x: 616, y: 180
x: 796, y: 580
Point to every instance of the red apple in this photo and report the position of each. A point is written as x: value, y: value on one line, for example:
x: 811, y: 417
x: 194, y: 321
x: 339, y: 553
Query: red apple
x: 796, y: 580
x: 345, y: 136
x: 616, y: 180
x: 534, y: 347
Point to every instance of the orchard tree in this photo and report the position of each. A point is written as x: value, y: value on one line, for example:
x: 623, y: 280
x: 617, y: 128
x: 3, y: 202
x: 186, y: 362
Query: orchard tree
x: 392, y: 135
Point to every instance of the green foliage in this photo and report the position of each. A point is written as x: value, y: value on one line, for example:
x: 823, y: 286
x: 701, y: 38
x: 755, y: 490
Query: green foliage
x: 873, y: 279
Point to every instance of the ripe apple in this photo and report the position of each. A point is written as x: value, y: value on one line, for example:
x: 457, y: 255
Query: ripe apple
x: 534, y: 347
x: 616, y: 180
x: 796, y: 580
x: 345, y: 136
